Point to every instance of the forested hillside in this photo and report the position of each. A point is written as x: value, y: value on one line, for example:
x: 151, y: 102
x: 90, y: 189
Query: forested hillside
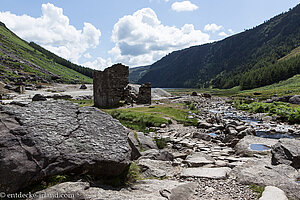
x: 250, y: 59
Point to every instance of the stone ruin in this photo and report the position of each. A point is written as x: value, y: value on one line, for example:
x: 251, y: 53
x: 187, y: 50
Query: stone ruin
x: 144, y: 96
x: 112, y: 85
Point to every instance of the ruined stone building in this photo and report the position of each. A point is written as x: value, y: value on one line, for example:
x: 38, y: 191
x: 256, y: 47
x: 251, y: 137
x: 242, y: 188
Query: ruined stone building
x: 111, y: 86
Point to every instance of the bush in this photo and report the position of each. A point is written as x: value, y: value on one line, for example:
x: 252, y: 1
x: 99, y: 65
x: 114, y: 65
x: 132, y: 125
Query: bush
x: 134, y: 173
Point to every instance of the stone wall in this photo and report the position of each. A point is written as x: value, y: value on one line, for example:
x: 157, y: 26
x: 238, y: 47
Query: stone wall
x: 109, y: 85
x: 144, y: 96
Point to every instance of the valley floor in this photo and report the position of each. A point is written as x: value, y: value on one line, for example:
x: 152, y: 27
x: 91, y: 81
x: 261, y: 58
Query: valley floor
x: 230, y: 154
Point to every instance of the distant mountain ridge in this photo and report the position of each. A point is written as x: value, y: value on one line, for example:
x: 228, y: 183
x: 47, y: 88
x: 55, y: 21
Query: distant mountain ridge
x: 234, y: 60
x: 136, y: 73
x: 30, y: 63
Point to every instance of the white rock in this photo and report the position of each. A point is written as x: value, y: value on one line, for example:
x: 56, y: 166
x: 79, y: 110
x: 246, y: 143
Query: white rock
x: 213, y: 173
x: 273, y: 193
x: 199, y: 159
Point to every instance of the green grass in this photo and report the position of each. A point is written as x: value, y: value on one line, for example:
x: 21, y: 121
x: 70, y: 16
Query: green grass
x: 283, y: 110
x: 141, y: 118
x: 290, y: 86
x: 212, y: 91
x: 139, y: 121
x: 82, y: 103
x: 293, y: 53
x: 134, y: 174
x: 14, y: 45
x: 257, y: 189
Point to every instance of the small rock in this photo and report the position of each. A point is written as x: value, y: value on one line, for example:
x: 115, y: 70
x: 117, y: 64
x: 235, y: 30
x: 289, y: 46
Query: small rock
x: 39, y: 97
x: 83, y: 87
x: 163, y: 125
x: 199, y: 159
x: 202, y: 136
x: 194, y: 94
x: 183, y: 192
x: 203, y: 124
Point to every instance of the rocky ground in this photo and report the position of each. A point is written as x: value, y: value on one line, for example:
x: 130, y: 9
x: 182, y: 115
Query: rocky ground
x: 228, y: 151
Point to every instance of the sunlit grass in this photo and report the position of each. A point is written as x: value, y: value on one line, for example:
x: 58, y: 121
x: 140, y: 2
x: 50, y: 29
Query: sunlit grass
x: 141, y: 118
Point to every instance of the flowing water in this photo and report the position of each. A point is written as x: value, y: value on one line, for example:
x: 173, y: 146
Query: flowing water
x: 262, y: 128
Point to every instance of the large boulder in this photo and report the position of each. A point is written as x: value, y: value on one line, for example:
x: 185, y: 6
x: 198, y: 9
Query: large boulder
x: 262, y: 172
x: 44, y: 138
x: 250, y: 145
x: 286, y: 151
x: 158, y: 93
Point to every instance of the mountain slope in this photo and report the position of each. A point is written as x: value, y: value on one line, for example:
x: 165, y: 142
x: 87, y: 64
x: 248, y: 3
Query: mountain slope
x: 21, y: 62
x: 136, y: 73
x: 222, y: 64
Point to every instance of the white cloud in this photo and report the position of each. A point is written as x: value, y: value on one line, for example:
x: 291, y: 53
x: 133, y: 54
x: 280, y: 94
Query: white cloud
x: 230, y: 31
x: 212, y: 27
x: 87, y: 55
x: 53, y: 31
x: 223, y: 34
x: 141, y: 39
x: 98, y: 64
x: 184, y: 6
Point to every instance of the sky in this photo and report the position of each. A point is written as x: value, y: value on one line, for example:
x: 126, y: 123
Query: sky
x: 99, y: 33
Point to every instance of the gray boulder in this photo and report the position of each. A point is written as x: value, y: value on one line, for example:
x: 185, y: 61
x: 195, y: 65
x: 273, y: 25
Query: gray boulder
x: 295, y: 99
x: 158, y: 93
x: 155, y: 168
x: 141, y: 141
x: 286, y: 151
x: 250, y: 145
x: 183, y: 192
x: 261, y: 172
x: 155, y: 154
x: 47, y: 138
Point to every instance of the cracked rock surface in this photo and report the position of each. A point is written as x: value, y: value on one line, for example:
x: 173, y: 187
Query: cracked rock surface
x: 43, y: 139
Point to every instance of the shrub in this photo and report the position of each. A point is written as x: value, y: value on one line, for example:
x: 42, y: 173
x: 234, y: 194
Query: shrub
x: 134, y: 173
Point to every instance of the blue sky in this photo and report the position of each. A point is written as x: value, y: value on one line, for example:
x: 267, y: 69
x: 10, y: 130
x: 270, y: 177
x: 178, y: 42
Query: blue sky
x: 98, y: 33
